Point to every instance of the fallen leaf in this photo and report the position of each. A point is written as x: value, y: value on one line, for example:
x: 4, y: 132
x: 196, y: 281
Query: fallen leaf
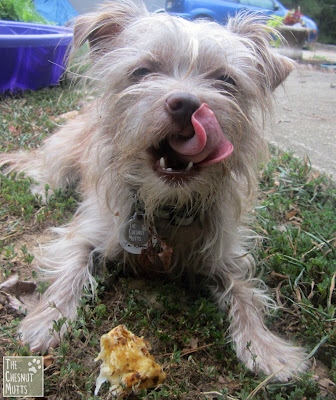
x: 166, y: 255
x: 298, y: 294
x: 281, y: 228
x: 193, y: 343
x: 16, y: 287
x: 148, y: 256
x: 311, y: 294
x: 48, y: 360
x: 290, y: 215
x: 18, y: 295
x: 327, y: 387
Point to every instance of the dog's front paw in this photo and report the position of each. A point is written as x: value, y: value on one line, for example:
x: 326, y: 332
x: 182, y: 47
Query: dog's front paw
x: 273, y: 356
x: 37, y: 331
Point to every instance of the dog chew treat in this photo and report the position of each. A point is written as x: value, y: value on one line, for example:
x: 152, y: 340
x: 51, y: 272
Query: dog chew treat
x: 127, y: 362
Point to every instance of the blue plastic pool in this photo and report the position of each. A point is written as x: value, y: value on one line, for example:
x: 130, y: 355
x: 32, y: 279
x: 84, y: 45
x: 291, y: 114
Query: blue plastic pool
x: 31, y: 55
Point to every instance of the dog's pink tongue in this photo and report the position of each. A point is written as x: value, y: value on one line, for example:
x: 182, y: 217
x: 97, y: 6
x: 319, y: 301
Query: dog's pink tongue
x: 208, y: 145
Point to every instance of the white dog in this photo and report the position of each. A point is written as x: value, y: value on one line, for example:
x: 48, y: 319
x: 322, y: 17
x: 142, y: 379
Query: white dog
x: 165, y: 160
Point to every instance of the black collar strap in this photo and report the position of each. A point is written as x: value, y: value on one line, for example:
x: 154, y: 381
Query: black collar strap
x: 176, y: 217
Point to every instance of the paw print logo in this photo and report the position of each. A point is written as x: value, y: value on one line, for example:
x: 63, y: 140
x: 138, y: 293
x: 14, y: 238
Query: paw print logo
x: 34, y: 366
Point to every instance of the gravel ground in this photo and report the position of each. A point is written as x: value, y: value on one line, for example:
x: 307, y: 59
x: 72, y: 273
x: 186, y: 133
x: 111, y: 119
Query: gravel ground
x: 305, y: 116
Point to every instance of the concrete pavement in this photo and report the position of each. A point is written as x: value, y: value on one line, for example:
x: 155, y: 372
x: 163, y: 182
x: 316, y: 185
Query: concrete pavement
x: 320, y: 52
x: 305, y: 116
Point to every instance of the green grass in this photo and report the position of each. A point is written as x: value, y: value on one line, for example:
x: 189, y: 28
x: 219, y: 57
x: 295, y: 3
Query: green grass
x: 295, y: 215
x: 29, y: 118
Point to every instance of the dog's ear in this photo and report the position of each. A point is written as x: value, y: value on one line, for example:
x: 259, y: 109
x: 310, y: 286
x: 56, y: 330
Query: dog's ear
x: 101, y: 27
x: 275, y: 67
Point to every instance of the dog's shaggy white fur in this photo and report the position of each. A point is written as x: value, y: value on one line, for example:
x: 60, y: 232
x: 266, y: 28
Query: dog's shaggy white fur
x: 174, y: 130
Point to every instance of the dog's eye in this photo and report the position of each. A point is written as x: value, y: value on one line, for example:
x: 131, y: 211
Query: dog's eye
x: 140, y: 72
x: 227, y: 80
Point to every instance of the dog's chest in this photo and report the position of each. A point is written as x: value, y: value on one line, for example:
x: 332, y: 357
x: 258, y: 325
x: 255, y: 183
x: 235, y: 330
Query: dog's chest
x: 169, y: 248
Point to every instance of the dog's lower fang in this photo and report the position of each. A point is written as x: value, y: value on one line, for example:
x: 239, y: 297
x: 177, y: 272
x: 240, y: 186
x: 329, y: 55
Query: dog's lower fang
x: 190, y: 165
x: 162, y: 162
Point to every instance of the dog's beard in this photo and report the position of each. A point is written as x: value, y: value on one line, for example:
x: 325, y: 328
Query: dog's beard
x: 192, y: 197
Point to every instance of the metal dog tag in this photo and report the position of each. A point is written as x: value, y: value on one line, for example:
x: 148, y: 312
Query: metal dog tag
x: 134, y: 235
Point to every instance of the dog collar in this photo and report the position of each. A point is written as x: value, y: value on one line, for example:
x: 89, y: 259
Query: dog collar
x: 134, y: 234
x: 180, y: 217
x: 177, y: 218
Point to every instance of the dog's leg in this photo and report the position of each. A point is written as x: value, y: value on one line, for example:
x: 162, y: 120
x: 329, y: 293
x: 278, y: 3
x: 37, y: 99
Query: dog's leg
x: 58, y: 161
x: 68, y: 266
x: 255, y: 345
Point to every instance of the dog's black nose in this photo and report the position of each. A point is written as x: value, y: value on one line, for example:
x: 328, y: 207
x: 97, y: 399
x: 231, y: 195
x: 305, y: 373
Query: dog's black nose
x: 181, y: 107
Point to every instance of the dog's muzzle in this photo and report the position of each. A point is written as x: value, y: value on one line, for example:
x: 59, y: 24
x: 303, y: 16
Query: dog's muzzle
x: 207, y: 145
x: 200, y: 141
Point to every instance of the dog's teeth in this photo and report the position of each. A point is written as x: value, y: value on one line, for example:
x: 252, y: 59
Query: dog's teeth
x: 162, y: 163
x: 169, y: 169
x: 190, y: 165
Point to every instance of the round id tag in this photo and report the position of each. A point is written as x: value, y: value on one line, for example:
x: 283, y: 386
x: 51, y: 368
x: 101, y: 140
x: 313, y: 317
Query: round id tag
x: 134, y: 235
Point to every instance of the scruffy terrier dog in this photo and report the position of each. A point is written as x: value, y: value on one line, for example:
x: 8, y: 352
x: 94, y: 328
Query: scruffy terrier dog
x: 165, y: 161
